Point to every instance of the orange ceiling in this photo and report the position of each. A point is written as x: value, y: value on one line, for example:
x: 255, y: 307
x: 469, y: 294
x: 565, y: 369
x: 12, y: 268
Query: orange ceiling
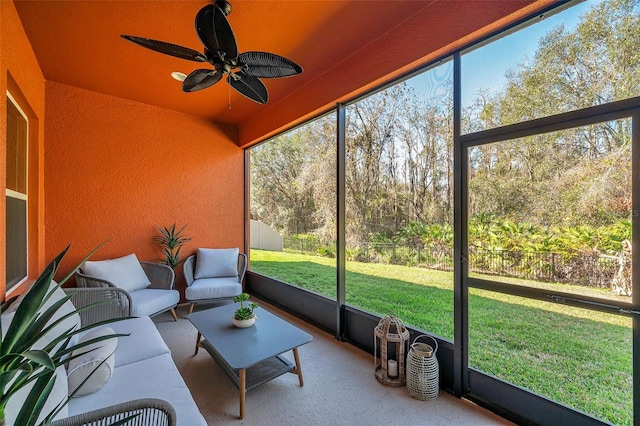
x: 342, y: 45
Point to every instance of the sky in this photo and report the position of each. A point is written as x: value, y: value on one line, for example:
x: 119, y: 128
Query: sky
x: 485, y: 67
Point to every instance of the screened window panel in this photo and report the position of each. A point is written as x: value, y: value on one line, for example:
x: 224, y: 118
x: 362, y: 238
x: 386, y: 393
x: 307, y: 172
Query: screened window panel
x: 578, y: 58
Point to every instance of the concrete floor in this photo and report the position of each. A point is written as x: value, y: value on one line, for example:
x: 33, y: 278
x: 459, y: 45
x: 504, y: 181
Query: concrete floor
x: 339, y: 387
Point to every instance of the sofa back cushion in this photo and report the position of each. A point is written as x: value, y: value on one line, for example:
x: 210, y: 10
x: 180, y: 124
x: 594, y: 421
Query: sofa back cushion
x: 72, y: 322
x: 124, y: 272
x: 58, y: 395
x: 216, y: 263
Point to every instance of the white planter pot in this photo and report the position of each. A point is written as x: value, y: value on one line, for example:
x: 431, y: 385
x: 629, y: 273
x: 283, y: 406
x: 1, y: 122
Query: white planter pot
x: 244, y: 323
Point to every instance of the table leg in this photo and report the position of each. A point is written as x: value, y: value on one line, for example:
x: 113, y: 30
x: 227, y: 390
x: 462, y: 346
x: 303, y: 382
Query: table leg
x: 243, y: 390
x: 298, y: 368
x: 197, y: 343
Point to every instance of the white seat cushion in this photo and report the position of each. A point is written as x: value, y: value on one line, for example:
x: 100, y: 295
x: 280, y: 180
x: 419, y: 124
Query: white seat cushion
x: 150, y: 301
x: 155, y: 377
x: 213, y: 288
x: 143, y: 340
x: 124, y: 272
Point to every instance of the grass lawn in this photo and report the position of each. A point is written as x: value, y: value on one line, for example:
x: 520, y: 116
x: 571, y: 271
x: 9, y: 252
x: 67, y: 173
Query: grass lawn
x: 577, y: 357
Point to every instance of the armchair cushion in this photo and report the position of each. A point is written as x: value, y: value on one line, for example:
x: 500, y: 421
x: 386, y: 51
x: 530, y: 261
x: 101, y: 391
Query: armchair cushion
x: 124, y: 272
x: 213, y: 288
x: 98, y: 356
x: 216, y: 263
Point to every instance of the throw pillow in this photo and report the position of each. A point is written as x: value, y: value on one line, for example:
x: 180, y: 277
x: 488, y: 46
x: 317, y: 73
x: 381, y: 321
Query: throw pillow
x: 94, y: 363
x: 216, y: 263
x: 124, y: 272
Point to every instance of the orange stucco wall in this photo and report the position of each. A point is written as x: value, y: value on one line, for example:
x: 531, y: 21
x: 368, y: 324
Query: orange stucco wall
x: 22, y: 77
x: 116, y: 169
x: 113, y: 169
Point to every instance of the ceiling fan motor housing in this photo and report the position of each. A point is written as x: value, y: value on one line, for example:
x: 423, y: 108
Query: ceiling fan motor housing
x: 224, y: 6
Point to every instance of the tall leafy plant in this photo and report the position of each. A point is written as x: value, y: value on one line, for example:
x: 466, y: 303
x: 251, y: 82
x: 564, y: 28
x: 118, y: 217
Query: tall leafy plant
x: 171, y: 241
x: 22, y: 364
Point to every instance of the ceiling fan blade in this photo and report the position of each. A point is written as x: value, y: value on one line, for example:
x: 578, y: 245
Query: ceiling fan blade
x: 167, y: 48
x: 201, y: 79
x: 267, y: 65
x: 249, y: 86
x: 215, y: 32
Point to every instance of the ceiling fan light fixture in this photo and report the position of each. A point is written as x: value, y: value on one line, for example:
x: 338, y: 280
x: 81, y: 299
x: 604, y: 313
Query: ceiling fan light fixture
x: 177, y: 75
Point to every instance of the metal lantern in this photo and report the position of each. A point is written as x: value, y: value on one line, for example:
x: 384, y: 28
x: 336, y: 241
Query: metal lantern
x: 390, y: 331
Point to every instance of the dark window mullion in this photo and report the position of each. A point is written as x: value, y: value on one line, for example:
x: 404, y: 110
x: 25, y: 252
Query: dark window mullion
x: 341, y: 218
x: 635, y: 258
x: 460, y: 243
x: 593, y: 303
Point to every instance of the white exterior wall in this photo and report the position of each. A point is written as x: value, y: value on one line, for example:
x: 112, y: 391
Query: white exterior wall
x: 264, y: 237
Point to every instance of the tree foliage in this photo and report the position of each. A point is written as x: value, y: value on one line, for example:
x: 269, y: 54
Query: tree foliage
x: 557, y: 191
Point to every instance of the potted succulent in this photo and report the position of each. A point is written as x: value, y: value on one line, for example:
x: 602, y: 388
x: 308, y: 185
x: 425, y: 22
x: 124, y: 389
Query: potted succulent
x: 244, y: 317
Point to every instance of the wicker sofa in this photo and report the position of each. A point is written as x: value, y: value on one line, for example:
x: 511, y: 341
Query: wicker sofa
x: 143, y: 378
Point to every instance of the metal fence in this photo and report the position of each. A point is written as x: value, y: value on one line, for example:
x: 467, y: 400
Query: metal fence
x: 590, y: 269
x: 303, y: 245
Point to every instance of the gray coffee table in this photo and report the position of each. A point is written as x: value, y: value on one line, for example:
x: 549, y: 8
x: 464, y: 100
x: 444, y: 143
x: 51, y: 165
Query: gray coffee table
x: 249, y: 356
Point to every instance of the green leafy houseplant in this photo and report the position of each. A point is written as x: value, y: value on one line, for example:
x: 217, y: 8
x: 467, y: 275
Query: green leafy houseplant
x: 21, y: 364
x: 244, y: 312
x: 171, y: 241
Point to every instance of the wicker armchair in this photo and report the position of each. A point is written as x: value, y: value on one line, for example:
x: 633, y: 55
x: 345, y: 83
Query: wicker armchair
x: 141, y: 412
x: 149, y: 301
x: 212, y: 289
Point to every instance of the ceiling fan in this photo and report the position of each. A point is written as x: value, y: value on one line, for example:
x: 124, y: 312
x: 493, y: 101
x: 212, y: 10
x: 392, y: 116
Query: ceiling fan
x: 243, y: 70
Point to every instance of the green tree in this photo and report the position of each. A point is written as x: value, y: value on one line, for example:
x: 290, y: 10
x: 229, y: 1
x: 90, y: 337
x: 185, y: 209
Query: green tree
x: 279, y: 195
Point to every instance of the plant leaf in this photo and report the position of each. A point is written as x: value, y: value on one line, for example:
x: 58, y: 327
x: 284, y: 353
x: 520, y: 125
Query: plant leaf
x: 35, y: 400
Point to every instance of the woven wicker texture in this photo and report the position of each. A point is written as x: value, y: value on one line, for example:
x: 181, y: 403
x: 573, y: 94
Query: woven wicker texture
x: 101, y: 303
x: 423, y: 380
x: 141, y: 412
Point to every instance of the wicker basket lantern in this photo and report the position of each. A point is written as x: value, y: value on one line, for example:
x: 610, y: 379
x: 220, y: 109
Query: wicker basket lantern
x: 423, y: 378
x: 390, y: 331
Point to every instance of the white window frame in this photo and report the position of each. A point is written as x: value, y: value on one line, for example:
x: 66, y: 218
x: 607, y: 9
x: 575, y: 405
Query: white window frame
x: 20, y: 196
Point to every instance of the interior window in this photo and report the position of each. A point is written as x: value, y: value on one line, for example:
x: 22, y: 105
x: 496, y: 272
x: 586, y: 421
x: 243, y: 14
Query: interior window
x: 16, y: 194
